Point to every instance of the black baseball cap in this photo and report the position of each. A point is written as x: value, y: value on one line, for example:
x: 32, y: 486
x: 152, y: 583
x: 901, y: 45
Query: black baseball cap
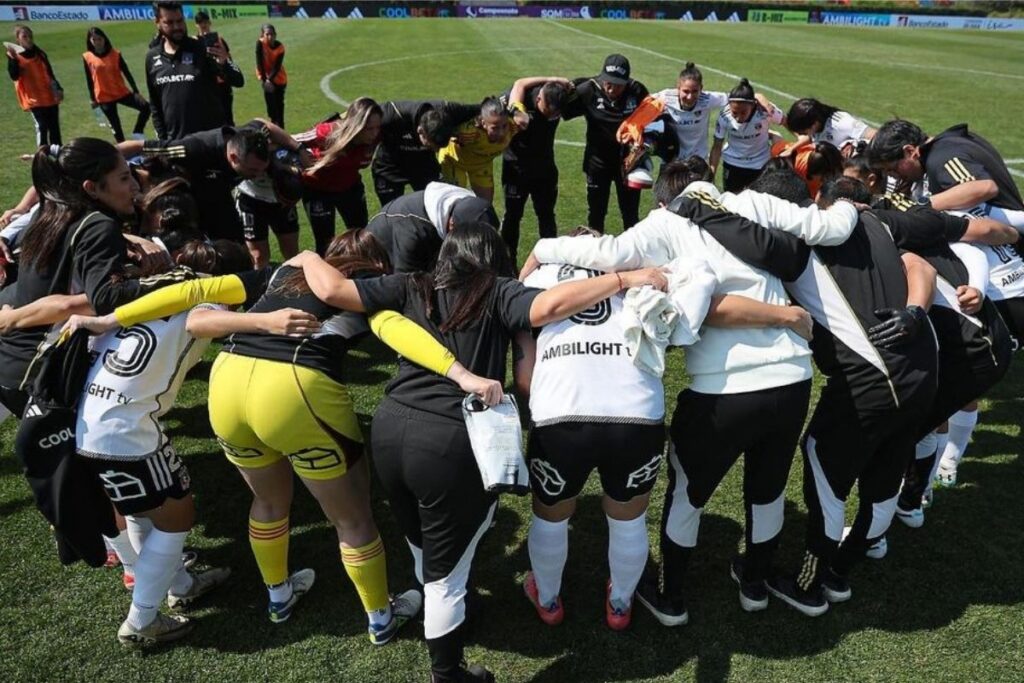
x: 470, y: 210
x: 615, y: 70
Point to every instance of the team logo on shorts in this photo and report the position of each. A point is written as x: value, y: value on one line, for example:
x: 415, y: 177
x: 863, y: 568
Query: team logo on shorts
x: 547, y: 477
x: 315, y: 459
x: 122, y: 486
x: 644, y: 474
x: 238, y: 452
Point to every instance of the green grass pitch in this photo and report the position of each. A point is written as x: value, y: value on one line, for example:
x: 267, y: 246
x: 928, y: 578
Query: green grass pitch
x: 946, y: 605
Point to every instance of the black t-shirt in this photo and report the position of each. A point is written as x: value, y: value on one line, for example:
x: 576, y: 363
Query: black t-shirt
x: 533, y: 150
x: 957, y: 156
x: 482, y: 347
x: 401, y: 157
x: 324, y: 351
x: 603, y: 151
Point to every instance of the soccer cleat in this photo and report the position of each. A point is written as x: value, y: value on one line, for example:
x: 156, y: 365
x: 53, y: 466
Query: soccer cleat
x: 112, y: 560
x: 876, y: 550
x: 668, y: 611
x: 810, y: 602
x: 835, y: 588
x: 467, y: 674
x: 912, y: 518
x: 551, y: 614
x: 128, y: 579
x: 618, y: 613
x: 753, y: 594
x: 188, y: 559
x: 163, y: 629
x: 202, y: 583
x: 404, y: 606
x: 301, y: 581
x: 945, y: 476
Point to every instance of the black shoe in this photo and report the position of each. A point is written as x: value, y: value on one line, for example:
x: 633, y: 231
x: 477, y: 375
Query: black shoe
x: 470, y: 674
x: 834, y: 587
x: 668, y: 611
x: 753, y: 594
x: 810, y: 602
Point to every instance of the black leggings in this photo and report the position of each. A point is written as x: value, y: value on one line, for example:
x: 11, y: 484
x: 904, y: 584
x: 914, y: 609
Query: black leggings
x: 736, y: 178
x: 321, y: 206
x: 519, y: 187
x: 1012, y: 311
x: 275, y: 105
x: 47, y: 125
x: 599, y: 188
x: 428, y: 473
x: 133, y: 101
x: 709, y: 433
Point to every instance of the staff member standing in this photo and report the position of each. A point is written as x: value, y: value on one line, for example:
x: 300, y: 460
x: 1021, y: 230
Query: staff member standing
x: 605, y: 101
x: 37, y: 88
x: 270, y: 70
x: 105, y: 76
x: 208, y: 37
x: 182, y: 78
x: 412, y: 132
x: 528, y: 164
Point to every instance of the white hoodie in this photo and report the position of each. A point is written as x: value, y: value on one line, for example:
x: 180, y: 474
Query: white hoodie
x: 724, y: 360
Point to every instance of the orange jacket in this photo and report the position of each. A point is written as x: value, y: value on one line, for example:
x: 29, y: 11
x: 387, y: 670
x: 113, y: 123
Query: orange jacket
x: 34, y: 85
x: 800, y: 156
x: 105, y: 72
x: 632, y: 129
x: 268, y: 57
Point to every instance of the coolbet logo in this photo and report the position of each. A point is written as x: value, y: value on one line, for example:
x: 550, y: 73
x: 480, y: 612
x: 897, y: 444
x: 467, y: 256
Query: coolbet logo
x: 57, y: 439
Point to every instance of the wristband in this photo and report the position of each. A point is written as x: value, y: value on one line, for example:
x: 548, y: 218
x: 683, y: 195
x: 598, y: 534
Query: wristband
x: 619, y: 278
x: 519, y: 106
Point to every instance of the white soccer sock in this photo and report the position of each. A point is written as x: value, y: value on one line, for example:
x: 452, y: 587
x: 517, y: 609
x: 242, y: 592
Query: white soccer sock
x: 627, y: 555
x: 282, y: 592
x: 122, y: 545
x: 182, y: 581
x: 138, y: 528
x: 159, y: 560
x: 548, y: 544
x: 941, y: 439
x: 961, y: 426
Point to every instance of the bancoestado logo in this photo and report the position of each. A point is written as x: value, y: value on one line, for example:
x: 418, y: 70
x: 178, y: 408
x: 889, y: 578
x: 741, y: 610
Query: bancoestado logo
x: 64, y: 13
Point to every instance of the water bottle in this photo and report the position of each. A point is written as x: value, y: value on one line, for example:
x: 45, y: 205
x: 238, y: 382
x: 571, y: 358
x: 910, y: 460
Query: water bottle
x: 101, y: 119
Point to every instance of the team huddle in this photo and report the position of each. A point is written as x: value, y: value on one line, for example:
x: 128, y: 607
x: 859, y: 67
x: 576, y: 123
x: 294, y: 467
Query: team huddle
x: 888, y: 258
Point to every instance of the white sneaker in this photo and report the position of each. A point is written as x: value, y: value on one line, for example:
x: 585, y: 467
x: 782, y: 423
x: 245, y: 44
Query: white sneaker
x: 163, y: 629
x: 876, y: 551
x: 301, y: 582
x: 912, y: 518
x: 202, y: 583
x: 945, y: 476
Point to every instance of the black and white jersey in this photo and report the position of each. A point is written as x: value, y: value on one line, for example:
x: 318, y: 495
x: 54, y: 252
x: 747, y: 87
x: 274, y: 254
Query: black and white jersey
x: 1005, y: 272
x: 691, y: 125
x: 134, y: 378
x: 747, y: 143
x: 533, y: 150
x: 957, y: 156
x: 583, y: 371
x: 841, y: 129
x: 603, y: 150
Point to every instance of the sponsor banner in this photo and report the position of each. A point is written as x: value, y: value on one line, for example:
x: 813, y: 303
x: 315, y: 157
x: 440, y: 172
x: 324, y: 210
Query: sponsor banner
x: 368, y: 9
x: 492, y: 11
x: 625, y: 12
x: 940, y: 21
x: 220, y: 12
x: 851, y: 19
x: 49, y: 13
x: 777, y: 16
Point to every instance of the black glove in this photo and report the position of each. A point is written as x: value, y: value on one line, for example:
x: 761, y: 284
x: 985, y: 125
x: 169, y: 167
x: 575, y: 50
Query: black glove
x: 899, y: 325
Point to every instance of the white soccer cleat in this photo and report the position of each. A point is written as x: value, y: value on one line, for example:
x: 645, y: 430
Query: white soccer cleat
x: 912, y: 518
x: 945, y: 476
x: 163, y: 629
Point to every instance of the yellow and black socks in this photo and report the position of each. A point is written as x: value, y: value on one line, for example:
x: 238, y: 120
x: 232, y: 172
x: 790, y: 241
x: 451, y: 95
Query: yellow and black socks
x: 368, y: 569
x: 269, y: 541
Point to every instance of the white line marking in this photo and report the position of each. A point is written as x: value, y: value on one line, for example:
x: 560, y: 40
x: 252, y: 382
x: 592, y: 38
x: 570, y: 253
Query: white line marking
x: 1014, y: 161
x: 1013, y: 171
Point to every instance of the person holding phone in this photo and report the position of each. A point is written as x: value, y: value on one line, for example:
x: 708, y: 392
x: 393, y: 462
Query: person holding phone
x: 208, y: 37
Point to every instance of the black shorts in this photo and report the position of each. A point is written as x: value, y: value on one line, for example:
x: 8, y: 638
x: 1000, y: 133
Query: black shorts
x: 135, y: 486
x: 259, y: 218
x: 562, y: 456
x: 1012, y: 311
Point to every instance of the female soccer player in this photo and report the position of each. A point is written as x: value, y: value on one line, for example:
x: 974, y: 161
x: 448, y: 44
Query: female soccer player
x: 37, y: 88
x: 815, y: 162
x: 270, y: 71
x: 342, y: 147
x: 137, y: 372
x: 814, y: 121
x: 105, y: 76
x: 743, y: 128
x: 473, y: 303
x: 468, y: 160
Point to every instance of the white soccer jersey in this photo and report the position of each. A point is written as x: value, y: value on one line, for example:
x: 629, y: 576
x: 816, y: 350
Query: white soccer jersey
x: 691, y: 125
x: 1005, y: 272
x: 135, y: 376
x: 747, y: 144
x: 258, y: 188
x: 583, y: 372
x: 841, y: 129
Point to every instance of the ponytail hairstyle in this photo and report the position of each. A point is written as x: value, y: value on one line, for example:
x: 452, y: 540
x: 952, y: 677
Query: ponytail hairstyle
x: 743, y: 92
x: 825, y: 162
x: 62, y: 199
x: 351, y: 252
x: 97, y: 31
x: 690, y: 72
x: 222, y: 257
x: 472, y: 257
x: 346, y: 130
x: 806, y: 112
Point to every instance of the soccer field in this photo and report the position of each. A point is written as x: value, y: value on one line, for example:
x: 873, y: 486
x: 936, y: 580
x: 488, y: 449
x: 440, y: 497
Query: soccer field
x: 947, y: 604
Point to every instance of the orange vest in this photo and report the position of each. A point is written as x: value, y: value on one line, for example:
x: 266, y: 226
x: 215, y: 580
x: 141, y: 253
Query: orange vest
x: 107, y: 83
x: 34, y: 86
x: 270, y: 55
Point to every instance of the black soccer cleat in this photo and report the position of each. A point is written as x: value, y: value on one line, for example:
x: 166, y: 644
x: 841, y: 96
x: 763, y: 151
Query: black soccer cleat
x: 834, y: 587
x: 753, y: 594
x: 669, y: 611
x: 811, y: 602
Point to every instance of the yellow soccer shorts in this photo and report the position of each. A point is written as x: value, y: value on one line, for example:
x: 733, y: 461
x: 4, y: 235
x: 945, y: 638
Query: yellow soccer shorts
x: 467, y: 174
x: 263, y: 410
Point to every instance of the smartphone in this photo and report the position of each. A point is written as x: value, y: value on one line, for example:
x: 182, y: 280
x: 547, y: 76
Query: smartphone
x: 210, y: 39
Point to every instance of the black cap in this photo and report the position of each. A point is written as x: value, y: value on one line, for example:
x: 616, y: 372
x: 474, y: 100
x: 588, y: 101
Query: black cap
x: 470, y: 210
x: 615, y: 70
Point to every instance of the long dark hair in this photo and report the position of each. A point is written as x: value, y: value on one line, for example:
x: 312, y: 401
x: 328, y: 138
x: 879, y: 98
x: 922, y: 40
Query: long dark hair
x: 62, y: 199
x: 97, y: 31
x: 351, y: 252
x: 472, y: 257
x: 825, y: 162
x: 221, y: 257
x: 806, y: 112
